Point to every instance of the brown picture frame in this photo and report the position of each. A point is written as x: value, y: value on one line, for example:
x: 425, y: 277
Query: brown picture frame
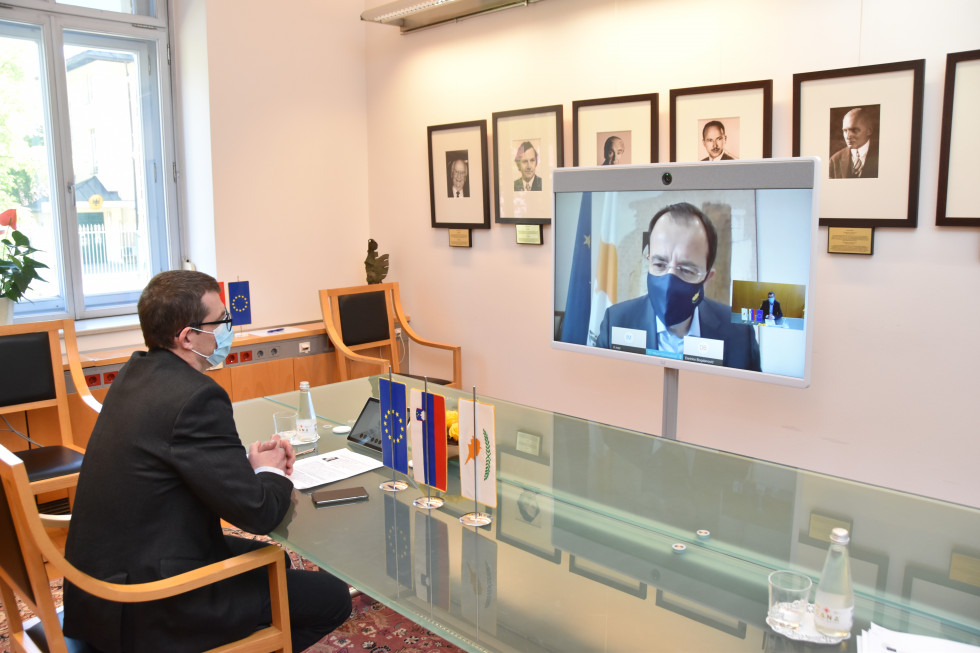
x: 957, y: 203
x: 746, y: 106
x: 634, y: 119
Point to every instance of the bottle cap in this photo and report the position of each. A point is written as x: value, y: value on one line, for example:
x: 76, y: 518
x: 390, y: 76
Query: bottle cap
x: 840, y: 536
x: 304, y: 385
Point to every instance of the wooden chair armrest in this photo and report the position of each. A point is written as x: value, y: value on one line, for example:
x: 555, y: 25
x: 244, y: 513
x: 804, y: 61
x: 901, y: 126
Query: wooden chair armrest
x: 75, y: 369
x: 270, y: 555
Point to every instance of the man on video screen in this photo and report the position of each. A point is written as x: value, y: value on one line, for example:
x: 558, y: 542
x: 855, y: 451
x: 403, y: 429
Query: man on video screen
x: 680, y: 257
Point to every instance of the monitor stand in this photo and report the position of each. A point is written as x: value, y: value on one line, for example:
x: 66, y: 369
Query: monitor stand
x: 668, y: 428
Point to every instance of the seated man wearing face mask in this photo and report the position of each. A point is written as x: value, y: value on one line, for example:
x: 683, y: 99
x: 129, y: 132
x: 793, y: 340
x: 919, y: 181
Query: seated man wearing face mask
x: 682, y: 249
x: 163, y: 466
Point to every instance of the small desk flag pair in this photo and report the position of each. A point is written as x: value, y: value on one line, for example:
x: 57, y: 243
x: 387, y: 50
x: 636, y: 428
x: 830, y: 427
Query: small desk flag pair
x: 477, y: 453
x: 394, y: 443
x: 429, y: 439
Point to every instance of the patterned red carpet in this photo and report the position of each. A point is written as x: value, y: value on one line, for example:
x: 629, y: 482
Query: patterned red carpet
x: 372, y: 626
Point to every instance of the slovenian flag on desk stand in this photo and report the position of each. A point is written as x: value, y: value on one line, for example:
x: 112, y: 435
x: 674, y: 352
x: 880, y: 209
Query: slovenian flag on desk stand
x: 239, y: 303
x: 477, y: 453
x: 394, y: 444
x: 428, y: 413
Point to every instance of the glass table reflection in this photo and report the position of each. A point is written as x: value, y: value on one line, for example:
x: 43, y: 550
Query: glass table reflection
x: 582, y: 554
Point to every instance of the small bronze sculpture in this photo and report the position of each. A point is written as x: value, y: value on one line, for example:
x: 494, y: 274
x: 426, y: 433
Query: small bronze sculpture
x: 375, y: 266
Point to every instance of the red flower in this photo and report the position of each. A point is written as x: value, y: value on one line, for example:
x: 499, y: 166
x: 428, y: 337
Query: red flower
x: 9, y: 217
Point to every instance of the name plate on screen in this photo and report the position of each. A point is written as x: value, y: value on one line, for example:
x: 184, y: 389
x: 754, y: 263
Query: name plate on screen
x: 704, y: 350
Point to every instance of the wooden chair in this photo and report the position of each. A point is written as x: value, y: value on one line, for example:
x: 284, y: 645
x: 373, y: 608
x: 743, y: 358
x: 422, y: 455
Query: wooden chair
x: 362, y: 318
x: 24, y: 547
x: 33, y: 378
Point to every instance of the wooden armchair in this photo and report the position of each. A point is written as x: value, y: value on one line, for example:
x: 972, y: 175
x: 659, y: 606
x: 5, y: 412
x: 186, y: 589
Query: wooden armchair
x: 33, y: 378
x: 24, y: 547
x: 361, y: 320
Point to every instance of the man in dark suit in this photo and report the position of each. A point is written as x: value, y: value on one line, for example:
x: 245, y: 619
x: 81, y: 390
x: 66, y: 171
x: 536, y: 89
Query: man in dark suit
x: 682, y: 247
x: 771, y: 308
x: 859, y: 159
x: 459, y: 179
x: 527, y: 163
x: 163, y: 466
x: 714, y: 139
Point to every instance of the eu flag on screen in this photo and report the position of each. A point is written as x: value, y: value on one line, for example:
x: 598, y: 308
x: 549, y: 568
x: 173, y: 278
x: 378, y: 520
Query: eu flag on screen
x: 239, y: 303
x: 394, y: 409
x: 578, y: 303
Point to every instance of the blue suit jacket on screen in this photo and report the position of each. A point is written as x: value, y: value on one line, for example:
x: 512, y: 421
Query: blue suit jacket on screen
x: 741, y: 348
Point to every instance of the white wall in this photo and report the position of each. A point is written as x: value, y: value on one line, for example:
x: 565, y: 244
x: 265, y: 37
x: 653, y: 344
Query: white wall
x: 273, y: 110
x: 893, y: 395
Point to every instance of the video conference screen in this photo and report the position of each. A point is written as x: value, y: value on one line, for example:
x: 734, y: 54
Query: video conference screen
x: 701, y: 266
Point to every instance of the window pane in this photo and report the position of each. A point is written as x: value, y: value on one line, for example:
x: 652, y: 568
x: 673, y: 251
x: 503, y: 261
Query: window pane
x: 115, y: 158
x: 26, y: 160
x: 137, y: 7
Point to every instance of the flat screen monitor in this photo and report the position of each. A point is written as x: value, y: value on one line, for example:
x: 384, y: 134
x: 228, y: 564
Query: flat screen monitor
x: 704, y: 266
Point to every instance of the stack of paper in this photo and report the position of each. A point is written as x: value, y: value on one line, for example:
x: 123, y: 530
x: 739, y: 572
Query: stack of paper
x: 881, y: 640
x: 330, y: 467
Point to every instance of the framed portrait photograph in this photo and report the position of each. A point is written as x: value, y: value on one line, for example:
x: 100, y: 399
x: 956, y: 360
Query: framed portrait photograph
x: 958, y: 204
x: 865, y: 124
x: 721, y: 122
x: 615, y: 130
x: 459, y: 179
x: 527, y: 147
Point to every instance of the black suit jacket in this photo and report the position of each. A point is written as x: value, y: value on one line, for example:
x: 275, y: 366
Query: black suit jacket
x: 840, y: 164
x: 724, y: 157
x: 776, y: 312
x: 163, y: 465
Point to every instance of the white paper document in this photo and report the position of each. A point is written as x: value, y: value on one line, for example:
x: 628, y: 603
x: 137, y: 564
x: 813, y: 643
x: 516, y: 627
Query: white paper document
x: 882, y: 640
x: 329, y: 467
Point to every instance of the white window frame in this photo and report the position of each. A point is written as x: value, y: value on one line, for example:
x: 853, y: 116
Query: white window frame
x: 54, y: 18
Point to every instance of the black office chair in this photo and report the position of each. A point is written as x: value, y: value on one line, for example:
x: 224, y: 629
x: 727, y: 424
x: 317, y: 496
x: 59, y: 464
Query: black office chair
x: 360, y: 322
x: 33, y: 378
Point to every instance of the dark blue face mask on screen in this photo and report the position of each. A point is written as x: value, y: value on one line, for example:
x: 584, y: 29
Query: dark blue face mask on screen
x: 672, y: 298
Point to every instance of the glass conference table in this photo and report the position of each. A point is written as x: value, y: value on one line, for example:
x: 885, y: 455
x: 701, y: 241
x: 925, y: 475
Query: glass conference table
x: 605, y: 539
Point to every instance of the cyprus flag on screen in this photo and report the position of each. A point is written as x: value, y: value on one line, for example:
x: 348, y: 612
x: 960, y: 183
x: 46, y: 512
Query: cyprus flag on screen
x: 477, y: 453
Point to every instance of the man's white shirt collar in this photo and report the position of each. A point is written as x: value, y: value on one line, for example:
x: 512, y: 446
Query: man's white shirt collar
x: 667, y: 341
x: 863, y: 151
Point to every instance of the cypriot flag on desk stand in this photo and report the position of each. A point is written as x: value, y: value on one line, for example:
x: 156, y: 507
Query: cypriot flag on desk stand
x: 477, y: 458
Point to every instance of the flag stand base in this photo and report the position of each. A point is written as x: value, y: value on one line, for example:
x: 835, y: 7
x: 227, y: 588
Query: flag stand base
x: 475, y: 519
x: 429, y: 503
x: 394, y: 486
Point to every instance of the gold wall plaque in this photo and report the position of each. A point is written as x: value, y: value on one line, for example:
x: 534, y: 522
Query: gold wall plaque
x: 529, y: 443
x: 529, y: 234
x: 851, y: 240
x: 965, y: 569
x: 821, y: 525
x: 461, y: 238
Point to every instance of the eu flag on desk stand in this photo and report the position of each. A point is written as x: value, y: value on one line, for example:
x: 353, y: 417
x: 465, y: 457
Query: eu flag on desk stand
x: 394, y: 443
x: 239, y: 303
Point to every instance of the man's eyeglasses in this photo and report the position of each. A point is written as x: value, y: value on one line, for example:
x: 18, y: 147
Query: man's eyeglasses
x: 688, y: 273
x: 225, y: 319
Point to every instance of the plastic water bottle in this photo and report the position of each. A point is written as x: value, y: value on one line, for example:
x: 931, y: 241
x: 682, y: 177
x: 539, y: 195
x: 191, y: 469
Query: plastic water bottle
x: 833, y: 610
x: 305, y: 415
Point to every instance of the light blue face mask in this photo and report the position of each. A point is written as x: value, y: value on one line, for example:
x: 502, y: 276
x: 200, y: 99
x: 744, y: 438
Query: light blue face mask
x: 223, y: 337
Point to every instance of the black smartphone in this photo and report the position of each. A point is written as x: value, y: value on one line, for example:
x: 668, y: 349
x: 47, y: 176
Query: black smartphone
x: 334, y: 496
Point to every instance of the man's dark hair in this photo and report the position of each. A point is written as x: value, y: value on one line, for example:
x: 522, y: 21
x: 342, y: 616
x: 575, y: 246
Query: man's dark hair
x: 713, y: 123
x: 688, y: 212
x: 526, y: 145
x: 171, y: 301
